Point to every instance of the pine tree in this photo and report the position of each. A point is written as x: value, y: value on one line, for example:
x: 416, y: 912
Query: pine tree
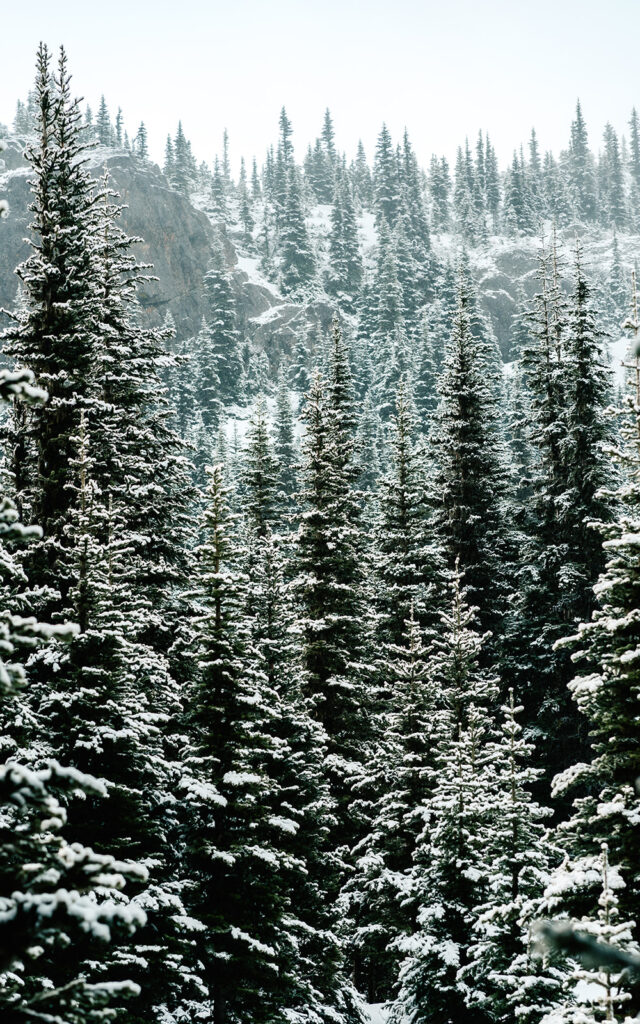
x: 55, y: 334
x: 244, y: 204
x: 377, y: 898
x: 463, y: 207
x: 492, y: 182
x: 345, y: 274
x: 140, y: 142
x: 361, y: 177
x: 581, y: 172
x: 260, y: 472
x: 218, y: 196
x: 389, y: 298
x: 534, y: 178
x: 413, y: 202
x: 169, y: 159
x: 256, y: 190
x: 56, y: 897
x: 285, y: 447
x: 119, y: 129
x: 103, y: 126
x: 634, y: 166
x: 61, y: 901
x: 589, y: 994
x: 321, y: 990
x: 407, y: 563
x: 297, y: 260
x: 440, y: 192
x: 449, y: 875
x: 611, y: 200
x: 104, y: 712
x: 469, y: 483
x: 569, y: 389
x: 301, y: 377
x: 426, y: 372
x: 518, y: 212
x: 606, y: 686
x: 222, y: 326
x: 556, y: 191
x: 183, y: 169
x: 501, y: 974
x: 588, y: 394
x: 385, y: 180
x: 236, y: 865
x: 207, y: 361
x: 328, y: 578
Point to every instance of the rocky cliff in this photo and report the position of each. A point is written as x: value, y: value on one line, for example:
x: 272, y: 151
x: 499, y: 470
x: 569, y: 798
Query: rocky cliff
x: 177, y: 240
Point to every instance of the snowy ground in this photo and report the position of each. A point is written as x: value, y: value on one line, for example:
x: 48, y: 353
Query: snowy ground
x: 239, y: 416
x: 378, y: 1013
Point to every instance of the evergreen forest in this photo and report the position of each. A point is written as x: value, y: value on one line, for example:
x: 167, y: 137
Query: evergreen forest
x: 320, y: 598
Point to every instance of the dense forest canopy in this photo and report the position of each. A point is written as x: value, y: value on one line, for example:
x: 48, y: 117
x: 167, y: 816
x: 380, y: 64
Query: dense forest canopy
x: 320, y: 645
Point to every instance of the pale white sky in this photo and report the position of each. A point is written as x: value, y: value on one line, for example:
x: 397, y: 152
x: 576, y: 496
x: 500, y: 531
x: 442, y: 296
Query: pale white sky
x: 443, y: 68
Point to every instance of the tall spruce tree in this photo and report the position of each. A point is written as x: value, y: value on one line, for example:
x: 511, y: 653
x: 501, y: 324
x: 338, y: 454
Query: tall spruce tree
x: 222, y: 330
x: 582, y: 181
x: 297, y: 259
x: 407, y: 561
x: 378, y: 898
x: 605, y: 688
x: 568, y: 392
x: 469, y: 482
x: 56, y: 331
x: 345, y: 274
x: 449, y: 873
x: 328, y: 580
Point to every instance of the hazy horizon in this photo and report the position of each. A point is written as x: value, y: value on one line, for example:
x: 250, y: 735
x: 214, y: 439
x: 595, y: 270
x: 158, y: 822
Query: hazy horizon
x: 210, y: 68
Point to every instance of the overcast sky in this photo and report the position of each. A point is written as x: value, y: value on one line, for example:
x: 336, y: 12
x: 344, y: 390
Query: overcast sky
x: 443, y: 68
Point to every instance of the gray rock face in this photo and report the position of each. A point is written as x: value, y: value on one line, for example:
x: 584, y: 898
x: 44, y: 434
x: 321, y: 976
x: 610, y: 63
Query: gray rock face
x: 176, y: 237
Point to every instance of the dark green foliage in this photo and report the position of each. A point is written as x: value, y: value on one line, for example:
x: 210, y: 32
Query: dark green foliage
x: 469, y: 482
x: 221, y: 341
x: 297, y: 260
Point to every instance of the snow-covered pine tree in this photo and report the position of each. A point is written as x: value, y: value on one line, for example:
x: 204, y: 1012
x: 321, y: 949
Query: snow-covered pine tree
x: 345, y: 261
x: 569, y: 388
x: 407, y: 566
x: 468, y: 490
x: 305, y: 809
x: 450, y: 876
x: 183, y: 168
x: 110, y: 699
x: 297, y: 259
x: 588, y: 393
x: 238, y: 842
x: 426, y: 372
x: 605, y: 689
x: 503, y: 975
x: 386, y: 187
x: 439, y: 191
x: 377, y: 898
x: 260, y: 472
x: 58, y: 899
x: 55, y: 333
x: 590, y: 993
x: 582, y: 179
x: 223, y: 339
x: 286, y: 447
x: 103, y: 126
x: 328, y: 581
x: 361, y: 178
